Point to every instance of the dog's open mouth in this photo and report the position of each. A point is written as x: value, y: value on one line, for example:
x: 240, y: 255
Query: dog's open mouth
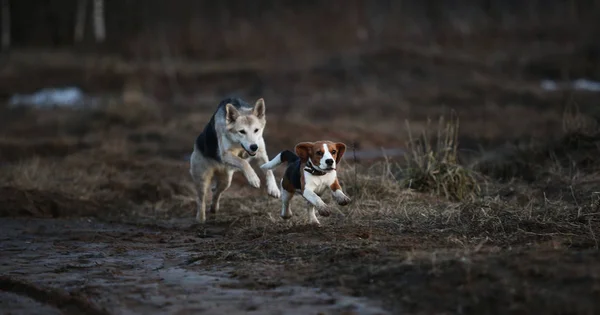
x: 249, y: 152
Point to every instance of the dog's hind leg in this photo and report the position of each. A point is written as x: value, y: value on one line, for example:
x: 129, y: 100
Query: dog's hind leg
x: 223, y: 181
x: 286, y: 197
x: 202, y: 179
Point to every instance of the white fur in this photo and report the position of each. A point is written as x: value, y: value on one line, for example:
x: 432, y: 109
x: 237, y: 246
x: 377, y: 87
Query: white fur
x: 326, y: 156
x: 314, y: 187
x: 286, y: 197
x: 318, y: 184
x: 232, y: 145
x: 276, y: 161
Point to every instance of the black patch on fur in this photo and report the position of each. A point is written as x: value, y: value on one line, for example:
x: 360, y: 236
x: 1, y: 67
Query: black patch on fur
x: 288, y: 156
x: 294, y: 172
x: 207, y: 141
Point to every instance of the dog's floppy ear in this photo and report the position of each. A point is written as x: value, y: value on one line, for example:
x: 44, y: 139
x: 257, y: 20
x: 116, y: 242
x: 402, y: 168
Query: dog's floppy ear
x: 341, y: 149
x: 231, y: 113
x: 259, y: 108
x: 303, y: 150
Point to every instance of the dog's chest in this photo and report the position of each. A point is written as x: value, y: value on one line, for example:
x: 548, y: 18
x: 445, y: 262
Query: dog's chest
x: 319, y: 184
x: 239, y: 152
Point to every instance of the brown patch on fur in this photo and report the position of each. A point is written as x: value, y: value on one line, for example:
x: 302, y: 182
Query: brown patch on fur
x: 304, y: 150
x: 314, y: 151
x: 341, y: 149
x: 287, y: 184
x: 336, y: 185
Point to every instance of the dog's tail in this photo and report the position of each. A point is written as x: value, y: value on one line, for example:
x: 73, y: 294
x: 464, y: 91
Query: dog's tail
x: 284, y: 156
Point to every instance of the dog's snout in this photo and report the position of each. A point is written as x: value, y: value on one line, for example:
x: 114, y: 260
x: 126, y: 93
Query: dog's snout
x: 329, y: 161
x: 253, y: 147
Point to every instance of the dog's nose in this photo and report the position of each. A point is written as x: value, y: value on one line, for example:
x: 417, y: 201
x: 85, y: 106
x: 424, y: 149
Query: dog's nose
x: 253, y: 147
x: 329, y: 161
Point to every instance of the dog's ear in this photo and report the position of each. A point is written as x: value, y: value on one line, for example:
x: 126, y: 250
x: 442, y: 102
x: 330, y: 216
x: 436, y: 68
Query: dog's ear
x: 231, y: 113
x: 341, y: 149
x: 259, y: 108
x: 303, y: 150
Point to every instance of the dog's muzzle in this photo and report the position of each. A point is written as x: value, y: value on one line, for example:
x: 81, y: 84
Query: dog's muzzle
x: 251, y: 153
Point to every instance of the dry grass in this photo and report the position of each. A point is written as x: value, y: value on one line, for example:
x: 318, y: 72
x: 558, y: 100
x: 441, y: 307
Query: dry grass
x: 435, y: 167
x: 428, y: 220
x: 564, y: 157
x: 387, y: 233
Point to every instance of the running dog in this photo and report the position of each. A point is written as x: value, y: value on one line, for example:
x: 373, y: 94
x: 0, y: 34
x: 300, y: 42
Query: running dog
x: 310, y: 172
x: 232, y: 137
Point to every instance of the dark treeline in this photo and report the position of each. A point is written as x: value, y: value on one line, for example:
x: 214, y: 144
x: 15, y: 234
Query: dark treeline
x: 249, y: 29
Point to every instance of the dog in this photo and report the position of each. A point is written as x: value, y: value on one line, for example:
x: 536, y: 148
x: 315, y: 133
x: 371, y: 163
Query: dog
x: 232, y: 138
x: 310, y: 171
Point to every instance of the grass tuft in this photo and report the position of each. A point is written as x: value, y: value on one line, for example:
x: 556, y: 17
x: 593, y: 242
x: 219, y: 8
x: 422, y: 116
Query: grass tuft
x: 432, y: 164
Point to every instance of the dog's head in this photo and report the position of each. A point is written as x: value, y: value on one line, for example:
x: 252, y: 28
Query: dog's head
x: 246, y: 126
x: 323, y: 155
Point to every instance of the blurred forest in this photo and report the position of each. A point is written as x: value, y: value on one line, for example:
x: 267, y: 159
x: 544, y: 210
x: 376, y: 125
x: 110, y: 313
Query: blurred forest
x: 184, y: 39
x: 247, y: 30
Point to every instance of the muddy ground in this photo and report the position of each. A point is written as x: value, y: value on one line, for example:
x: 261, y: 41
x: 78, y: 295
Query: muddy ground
x: 97, y: 204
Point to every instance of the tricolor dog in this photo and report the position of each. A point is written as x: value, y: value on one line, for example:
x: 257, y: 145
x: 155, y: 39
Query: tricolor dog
x: 232, y: 137
x: 310, y: 171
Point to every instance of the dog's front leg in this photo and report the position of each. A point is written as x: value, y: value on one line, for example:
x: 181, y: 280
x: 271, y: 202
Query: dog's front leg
x: 338, y: 194
x: 244, y: 166
x: 316, y: 201
x: 312, y: 217
x: 263, y: 158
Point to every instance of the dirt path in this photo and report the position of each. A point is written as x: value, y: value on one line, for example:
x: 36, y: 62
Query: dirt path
x: 88, y: 267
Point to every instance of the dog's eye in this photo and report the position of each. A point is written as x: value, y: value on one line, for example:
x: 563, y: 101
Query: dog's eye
x: 333, y: 152
x: 242, y: 132
x: 320, y: 153
x: 256, y: 130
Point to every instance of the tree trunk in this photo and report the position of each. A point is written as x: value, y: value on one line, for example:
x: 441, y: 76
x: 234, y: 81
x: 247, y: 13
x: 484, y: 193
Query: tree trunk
x: 80, y: 19
x: 99, y: 28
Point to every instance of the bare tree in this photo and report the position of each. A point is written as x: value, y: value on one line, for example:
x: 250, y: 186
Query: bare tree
x: 99, y: 28
x: 80, y: 19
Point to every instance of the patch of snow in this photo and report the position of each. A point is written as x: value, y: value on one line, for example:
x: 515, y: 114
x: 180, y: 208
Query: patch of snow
x: 549, y: 85
x: 587, y: 85
x: 579, y: 84
x: 52, y: 97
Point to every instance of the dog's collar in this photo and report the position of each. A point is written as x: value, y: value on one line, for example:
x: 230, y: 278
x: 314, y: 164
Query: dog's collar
x: 312, y: 170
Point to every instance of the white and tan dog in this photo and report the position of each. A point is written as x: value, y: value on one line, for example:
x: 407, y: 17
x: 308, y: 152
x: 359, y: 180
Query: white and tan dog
x: 232, y: 137
x: 310, y: 171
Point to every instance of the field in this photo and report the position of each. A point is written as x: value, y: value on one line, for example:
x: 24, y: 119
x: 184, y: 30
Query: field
x: 501, y: 216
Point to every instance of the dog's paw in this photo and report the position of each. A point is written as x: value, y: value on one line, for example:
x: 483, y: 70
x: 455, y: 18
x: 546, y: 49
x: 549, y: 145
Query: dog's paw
x: 273, y: 191
x: 253, y: 180
x: 324, y: 211
x: 344, y: 200
x: 287, y: 215
x: 315, y: 223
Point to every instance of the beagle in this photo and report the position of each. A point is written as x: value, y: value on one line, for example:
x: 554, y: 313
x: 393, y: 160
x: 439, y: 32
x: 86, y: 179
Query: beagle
x: 310, y: 171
